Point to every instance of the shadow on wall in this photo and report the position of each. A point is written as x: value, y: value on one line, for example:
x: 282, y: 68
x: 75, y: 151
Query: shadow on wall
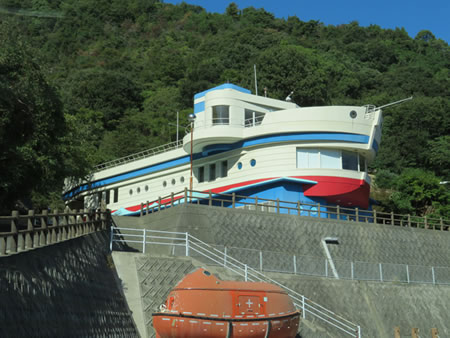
x: 62, y: 290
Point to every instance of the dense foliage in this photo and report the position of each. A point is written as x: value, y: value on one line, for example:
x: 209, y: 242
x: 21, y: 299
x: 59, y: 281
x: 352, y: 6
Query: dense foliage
x: 112, y: 74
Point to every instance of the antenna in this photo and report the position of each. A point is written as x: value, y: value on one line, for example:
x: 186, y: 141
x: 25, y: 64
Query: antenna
x: 288, y: 98
x: 256, y: 80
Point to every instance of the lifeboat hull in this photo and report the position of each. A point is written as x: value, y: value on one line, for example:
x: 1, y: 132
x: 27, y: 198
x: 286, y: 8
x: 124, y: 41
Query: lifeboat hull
x: 201, y: 305
x: 175, y: 326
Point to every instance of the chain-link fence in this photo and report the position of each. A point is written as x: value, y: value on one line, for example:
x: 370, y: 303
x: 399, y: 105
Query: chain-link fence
x: 271, y: 261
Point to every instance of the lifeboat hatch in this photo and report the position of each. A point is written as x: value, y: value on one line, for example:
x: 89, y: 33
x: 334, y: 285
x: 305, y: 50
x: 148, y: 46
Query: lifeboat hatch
x: 248, y: 304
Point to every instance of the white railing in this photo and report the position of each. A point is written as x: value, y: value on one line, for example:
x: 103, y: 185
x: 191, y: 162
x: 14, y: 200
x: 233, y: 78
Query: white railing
x: 140, y: 155
x: 191, y: 244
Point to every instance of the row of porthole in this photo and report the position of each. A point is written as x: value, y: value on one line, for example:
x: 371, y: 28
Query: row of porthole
x: 138, y: 189
x: 252, y: 163
x: 174, y: 181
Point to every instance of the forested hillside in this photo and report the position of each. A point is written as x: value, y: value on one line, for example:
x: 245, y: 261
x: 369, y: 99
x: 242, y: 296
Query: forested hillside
x: 84, y: 81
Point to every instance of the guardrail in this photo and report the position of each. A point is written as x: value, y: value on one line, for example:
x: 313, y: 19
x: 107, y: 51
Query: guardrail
x: 140, y: 155
x: 193, y: 244
x: 293, y: 208
x: 20, y: 233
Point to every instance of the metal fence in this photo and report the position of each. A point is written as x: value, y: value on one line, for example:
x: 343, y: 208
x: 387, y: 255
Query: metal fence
x: 186, y: 245
x: 271, y: 261
x: 293, y: 208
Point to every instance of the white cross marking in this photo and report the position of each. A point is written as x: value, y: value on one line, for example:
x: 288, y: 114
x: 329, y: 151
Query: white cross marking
x: 249, y: 302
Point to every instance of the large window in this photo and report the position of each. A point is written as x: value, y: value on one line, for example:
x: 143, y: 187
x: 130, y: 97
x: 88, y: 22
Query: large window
x: 253, y: 118
x: 201, y: 174
x: 330, y: 159
x: 221, y: 115
x: 224, y: 169
x: 212, y: 172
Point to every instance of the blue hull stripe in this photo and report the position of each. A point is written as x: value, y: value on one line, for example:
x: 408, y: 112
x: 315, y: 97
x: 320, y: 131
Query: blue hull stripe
x: 342, y: 137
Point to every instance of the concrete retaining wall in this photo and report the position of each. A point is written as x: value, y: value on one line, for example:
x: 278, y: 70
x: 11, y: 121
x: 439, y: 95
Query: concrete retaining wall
x: 67, y: 289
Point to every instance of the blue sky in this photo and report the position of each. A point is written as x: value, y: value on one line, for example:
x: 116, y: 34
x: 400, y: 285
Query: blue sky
x: 413, y: 15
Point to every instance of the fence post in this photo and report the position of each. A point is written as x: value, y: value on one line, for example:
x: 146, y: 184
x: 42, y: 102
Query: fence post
x: 260, y: 261
x: 143, y: 241
x: 187, y: 244
x: 233, y: 200
x: 392, y: 218
x: 111, y: 239
x: 381, y: 272
x: 245, y: 270
x: 185, y: 195
x: 375, y: 216
x: 11, y: 240
x: 171, y: 199
x: 147, y: 208
x: 441, y: 222
x: 409, y: 220
x: 303, y: 307
x: 359, y: 331
x: 295, y: 265
x: 357, y: 214
x: 407, y: 273
x: 44, y: 233
x: 141, y: 213
x: 159, y: 203
x: 338, y: 212
x: 298, y: 207
x: 433, y: 275
x: 318, y: 210
x: 56, y: 225
x: 425, y: 222
x: 326, y: 267
x: 278, y: 205
x: 256, y: 205
x: 210, y: 198
x: 30, y: 228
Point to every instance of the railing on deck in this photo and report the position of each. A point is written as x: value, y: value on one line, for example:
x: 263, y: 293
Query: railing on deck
x: 293, y: 208
x: 191, y: 244
x: 20, y: 233
x: 137, y: 156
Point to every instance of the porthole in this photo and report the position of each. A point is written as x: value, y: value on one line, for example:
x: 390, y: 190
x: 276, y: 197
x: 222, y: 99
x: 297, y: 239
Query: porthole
x: 138, y: 190
x: 131, y: 192
x: 182, y: 179
x: 146, y: 188
x: 353, y: 114
x: 253, y: 162
x: 173, y: 181
x: 239, y: 165
x: 164, y: 184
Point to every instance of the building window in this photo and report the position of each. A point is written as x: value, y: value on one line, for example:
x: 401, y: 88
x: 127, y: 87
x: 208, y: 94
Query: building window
x: 224, y: 169
x: 221, y: 115
x: 253, y: 118
x: 362, y: 163
x: 349, y: 160
x: 201, y: 174
x: 116, y: 195
x: 212, y: 172
x: 107, y: 196
x: 330, y: 159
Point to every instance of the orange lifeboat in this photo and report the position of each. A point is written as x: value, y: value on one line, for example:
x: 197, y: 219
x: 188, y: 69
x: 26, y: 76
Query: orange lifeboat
x: 201, y: 305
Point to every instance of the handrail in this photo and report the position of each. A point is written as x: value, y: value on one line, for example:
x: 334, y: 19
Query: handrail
x: 294, y: 208
x: 140, y: 155
x: 26, y: 232
x: 192, y: 243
